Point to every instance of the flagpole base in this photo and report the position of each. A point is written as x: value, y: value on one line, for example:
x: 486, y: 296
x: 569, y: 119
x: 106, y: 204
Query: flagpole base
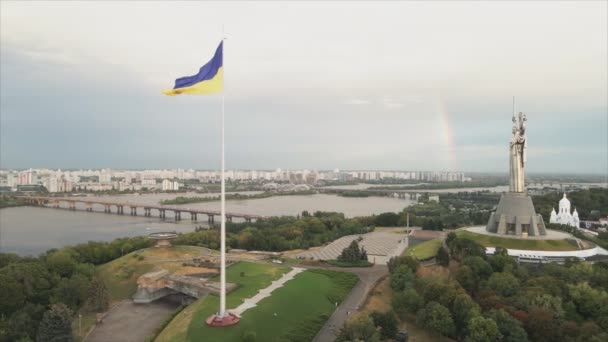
x: 227, y: 320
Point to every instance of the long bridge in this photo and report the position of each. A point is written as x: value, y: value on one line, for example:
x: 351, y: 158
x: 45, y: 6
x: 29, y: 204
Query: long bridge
x: 118, y: 207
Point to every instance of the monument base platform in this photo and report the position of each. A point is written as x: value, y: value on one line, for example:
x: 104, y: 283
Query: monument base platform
x: 223, y: 321
x: 515, y: 215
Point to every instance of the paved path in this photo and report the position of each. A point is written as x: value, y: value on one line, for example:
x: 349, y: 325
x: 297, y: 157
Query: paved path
x: 368, y: 276
x: 130, y: 322
x: 263, y: 293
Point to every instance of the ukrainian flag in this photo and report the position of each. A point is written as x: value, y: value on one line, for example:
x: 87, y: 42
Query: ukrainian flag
x: 210, y: 78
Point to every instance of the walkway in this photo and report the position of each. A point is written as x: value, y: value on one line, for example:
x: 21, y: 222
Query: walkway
x: 368, y: 277
x: 263, y: 293
x: 130, y: 322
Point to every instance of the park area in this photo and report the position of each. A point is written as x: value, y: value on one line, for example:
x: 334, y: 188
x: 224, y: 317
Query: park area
x: 294, y: 312
x: 424, y: 250
x: 521, y: 244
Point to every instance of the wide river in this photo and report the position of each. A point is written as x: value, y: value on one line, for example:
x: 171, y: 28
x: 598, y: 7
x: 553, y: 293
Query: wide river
x: 33, y: 230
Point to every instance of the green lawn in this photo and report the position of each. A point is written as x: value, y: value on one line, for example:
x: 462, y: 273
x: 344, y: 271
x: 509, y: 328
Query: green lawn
x: 256, y: 277
x: 359, y: 263
x: 424, y: 250
x: 523, y: 244
x: 302, y: 306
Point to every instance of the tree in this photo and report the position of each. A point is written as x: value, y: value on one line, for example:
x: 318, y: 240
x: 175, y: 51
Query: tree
x: 442, y: 293
x: 24, y: 323
x: 360, y: 329
x: 61, y: 262
x: 11, y: 295
x: 387, y: 322
x: 402, y: 278
x: 387, y: 220
x: 589, y: 302
x: 463, y: 247
x: 72, y: 292
x: 467, y: 278
x: 451, y: 237
x: 479, y: 266
x: 353, y: 253
x: 549, y: 303
x: 463, y: 310
x: 56, y: 325
x: 482, y: 330
x: 542, y: 326
x: 502, y: 262
x: 504, y: 284
x: 407, y: 302
x: 436, y: 318
x: 442, y: 257
x: 98, y: 300
x: 408, y: 261
x: 509, y: 327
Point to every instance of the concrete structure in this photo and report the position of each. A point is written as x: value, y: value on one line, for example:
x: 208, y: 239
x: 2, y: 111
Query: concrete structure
x: 564, y: 216
x: 380, y: 247
x: 91, y: 205
x: 550, y: 256
x: 515, y: 214
x: 158, y: 284
x: 163, y: 239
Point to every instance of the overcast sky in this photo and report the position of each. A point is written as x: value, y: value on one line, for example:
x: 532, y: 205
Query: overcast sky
x: 420, y: 86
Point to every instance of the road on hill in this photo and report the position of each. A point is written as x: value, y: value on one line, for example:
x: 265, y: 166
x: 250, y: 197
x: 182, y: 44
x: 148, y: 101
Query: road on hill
x: 368, y: 277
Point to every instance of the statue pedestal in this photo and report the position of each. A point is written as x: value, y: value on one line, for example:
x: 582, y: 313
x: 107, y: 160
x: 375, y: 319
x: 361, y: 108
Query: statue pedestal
x: 515, y: 215
x: 227, y: 320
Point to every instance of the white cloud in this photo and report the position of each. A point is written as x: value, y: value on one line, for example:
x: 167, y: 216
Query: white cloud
x: 357, y: 102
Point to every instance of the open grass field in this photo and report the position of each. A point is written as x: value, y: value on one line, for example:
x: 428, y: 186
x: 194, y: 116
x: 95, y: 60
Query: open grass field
x: 120, y: 275
x: 172, y: 253
x: 359, y: 263
x: 424, y: 250
x: 523, y: 244
x: 301, y: 306
x: 256, y: 277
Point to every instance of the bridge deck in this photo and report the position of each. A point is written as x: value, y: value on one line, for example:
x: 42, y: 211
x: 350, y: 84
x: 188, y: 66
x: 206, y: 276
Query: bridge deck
x: 138, y: 205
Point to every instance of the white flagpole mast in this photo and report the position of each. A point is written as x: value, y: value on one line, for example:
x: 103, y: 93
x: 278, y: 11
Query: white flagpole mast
x: 223, y: 210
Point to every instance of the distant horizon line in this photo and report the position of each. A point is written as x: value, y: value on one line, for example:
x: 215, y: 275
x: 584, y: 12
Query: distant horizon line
x: 309, y: 169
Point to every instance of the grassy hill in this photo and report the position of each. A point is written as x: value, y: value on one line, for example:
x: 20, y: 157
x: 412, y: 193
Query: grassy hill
x: 424, y: 250
x: 523, y: 244
x: 294, y: 312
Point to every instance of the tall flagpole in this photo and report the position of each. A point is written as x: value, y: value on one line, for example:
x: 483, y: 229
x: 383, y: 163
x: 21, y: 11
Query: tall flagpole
x: 223, y: 213
x: 223, y: 318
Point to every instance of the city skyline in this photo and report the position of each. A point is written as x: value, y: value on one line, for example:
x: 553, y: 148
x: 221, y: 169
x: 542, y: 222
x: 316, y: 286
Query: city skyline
x: 397, y: 86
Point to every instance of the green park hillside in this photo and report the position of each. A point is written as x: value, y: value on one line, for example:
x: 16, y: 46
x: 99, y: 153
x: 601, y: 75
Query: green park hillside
x: 294, y: 312
x: 424, y: 250
x: 523, y: 244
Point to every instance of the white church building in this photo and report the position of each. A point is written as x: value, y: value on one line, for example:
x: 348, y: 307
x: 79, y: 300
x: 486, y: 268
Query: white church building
x: 564, y: 216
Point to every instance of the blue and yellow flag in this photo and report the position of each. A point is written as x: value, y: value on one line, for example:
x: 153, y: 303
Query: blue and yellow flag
x: 210, y: 78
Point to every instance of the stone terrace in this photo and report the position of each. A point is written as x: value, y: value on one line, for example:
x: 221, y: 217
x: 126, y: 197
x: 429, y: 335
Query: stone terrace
x: 380, y: 246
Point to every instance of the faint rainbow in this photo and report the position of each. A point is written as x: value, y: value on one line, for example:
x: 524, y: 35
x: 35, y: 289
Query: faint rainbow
x: 447, y: 134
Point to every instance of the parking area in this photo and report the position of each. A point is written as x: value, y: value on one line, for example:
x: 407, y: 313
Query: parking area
x: 130, y: 322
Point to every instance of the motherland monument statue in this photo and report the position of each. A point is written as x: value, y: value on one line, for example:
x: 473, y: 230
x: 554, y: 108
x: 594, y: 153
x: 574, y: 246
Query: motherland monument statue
x: 517, y: 156
x: 515, y: 214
